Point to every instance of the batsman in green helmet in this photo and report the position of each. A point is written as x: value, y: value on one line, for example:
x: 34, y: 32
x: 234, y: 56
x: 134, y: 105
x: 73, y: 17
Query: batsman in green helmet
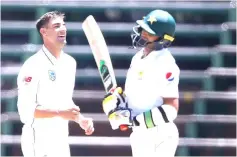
x: 159, y: 25
x: 149, y: 102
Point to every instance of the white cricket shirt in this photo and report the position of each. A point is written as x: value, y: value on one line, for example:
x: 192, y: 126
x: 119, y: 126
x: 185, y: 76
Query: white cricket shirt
x: 49, y: 82
x: 151, y: 79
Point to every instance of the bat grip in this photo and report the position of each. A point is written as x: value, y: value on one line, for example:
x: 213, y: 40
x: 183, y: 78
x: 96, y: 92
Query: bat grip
x: 112, y: 90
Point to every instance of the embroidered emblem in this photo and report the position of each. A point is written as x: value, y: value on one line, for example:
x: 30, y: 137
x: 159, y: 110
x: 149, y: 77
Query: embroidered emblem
x: 140, y: 75
x: 52, y: 75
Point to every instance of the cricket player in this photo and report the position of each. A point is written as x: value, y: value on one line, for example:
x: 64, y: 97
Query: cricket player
x: 149, y: 103
x: 45, y: 87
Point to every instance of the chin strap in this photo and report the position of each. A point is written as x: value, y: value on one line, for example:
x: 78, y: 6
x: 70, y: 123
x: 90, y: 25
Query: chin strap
x: 163, y: 42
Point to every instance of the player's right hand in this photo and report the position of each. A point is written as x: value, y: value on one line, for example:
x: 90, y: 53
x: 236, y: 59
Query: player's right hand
x: 86, y: 124
x: 70, y: 114
x: 114, y: 100
x: 116, y: 108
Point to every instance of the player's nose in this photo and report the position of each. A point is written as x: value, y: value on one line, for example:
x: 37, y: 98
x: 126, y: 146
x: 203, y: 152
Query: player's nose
x: 63, y: 31
x: 144, y: 34
x: 63, y: 28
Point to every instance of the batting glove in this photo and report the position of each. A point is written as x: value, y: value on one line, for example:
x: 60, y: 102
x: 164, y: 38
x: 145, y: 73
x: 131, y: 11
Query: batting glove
x: 116, y: 108
x: 114, y: 100
x: 120, y: 118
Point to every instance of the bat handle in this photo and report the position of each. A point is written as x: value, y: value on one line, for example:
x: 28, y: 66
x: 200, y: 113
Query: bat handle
x: 112, y: 90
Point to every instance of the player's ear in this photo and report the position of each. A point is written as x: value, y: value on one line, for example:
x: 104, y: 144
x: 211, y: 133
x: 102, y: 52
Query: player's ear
x: 43, y: 31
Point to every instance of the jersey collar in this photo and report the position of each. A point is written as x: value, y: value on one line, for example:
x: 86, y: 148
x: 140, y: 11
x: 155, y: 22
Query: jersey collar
x: 49, y: 55
x: 154, y: 53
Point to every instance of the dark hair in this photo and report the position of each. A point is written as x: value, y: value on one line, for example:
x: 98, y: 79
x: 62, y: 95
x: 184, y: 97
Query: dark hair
x: 44, y: 20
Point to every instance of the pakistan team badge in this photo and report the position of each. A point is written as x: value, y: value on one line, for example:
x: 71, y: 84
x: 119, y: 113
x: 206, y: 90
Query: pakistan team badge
x: 52, y: 75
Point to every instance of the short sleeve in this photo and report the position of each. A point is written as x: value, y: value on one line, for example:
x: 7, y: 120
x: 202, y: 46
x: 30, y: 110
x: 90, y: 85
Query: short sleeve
x: 171, y: 76
x: 27, y: 84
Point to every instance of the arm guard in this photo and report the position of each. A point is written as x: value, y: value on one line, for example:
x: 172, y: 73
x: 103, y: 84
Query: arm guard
x: 158, y: 115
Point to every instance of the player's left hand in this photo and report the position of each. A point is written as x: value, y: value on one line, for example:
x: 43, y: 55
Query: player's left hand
x: 86, y: 124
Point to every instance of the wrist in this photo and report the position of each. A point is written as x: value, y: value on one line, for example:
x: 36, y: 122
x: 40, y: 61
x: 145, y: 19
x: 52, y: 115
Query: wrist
x: 79, y: 119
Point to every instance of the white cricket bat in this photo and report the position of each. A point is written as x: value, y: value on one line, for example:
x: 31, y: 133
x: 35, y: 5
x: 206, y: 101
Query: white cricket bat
x: 100, y: 52
x: 101, y: 55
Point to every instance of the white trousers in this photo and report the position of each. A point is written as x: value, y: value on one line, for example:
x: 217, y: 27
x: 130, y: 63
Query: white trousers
x: 35, y: 144
x: 160, y: 141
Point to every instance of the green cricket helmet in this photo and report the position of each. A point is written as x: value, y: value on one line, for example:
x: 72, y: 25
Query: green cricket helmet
x: 159, y: 23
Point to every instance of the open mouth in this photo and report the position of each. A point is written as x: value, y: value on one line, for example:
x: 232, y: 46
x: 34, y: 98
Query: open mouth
x: 62, y: 36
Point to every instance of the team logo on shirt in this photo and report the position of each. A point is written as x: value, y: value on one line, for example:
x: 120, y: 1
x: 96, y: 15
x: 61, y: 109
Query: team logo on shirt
x: 169, y: 76
x: 52, y: 75
x: 140, y: 75
x: 27, y: 80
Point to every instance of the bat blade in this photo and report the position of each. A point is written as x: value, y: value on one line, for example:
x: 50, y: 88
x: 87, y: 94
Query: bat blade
x: 100, y: 52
